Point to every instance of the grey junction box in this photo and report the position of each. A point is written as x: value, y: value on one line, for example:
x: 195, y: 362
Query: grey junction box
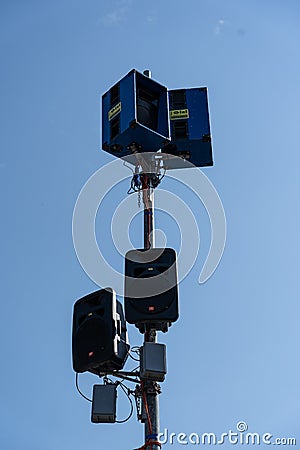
x: 153, y: 361
x: 104, y: 403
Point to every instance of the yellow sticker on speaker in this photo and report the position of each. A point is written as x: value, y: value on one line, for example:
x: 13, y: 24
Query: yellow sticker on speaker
x: 179, y: 114
x: 114, y: 111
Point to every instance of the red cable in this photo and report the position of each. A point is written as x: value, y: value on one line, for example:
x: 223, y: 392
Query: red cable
x: 151, y: 442
x: 147, y: 409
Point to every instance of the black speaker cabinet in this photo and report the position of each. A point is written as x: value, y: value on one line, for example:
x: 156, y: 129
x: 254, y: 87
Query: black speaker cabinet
x: 151, y: 292
x: 99, y: 339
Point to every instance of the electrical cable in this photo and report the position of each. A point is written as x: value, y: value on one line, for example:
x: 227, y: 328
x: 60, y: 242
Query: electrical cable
x: 78, y: 389
x: 123, y: 387
x: 137, y: 399
x: 132, y: 357
x: 149, y: 441
x: 146, y: 408
x: 136, y: 349
x: 162, y: 176
x: 141, y: 181
x: 109, y: 381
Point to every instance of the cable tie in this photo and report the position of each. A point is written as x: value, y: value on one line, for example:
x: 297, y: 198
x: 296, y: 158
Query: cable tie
x: 151, y: 436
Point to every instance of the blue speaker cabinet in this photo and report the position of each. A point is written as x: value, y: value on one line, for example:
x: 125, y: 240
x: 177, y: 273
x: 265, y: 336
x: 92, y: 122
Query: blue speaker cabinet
x: 190, y: 129
x: 135, y: 116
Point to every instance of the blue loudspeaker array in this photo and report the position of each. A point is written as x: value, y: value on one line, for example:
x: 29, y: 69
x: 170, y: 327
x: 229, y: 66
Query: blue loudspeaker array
x: 190, y: 129
x: 135, y: 116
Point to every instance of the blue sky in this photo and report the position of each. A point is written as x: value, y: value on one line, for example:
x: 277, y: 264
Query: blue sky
x: 233, y: 354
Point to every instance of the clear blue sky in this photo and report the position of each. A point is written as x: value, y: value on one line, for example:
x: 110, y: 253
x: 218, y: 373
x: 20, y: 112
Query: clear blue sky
x: 234, y: 353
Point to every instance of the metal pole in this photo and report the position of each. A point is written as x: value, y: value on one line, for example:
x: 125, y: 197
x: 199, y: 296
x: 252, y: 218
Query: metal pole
x: 148, y: 200
x: 151, y: 388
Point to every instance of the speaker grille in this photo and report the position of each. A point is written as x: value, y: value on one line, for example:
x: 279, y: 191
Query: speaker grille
x: 91, y: 342
x: 147, y: 108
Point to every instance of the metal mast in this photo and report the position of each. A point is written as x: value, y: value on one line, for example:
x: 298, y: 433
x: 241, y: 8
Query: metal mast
x: 150, y: 388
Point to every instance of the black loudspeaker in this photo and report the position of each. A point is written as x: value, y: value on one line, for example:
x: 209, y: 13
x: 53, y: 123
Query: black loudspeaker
x: 151, y: 292
x: 99, y: 338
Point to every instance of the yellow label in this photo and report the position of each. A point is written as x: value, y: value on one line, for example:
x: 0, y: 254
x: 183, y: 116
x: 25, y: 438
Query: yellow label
x: 179, y: 114
x: 114, y: 111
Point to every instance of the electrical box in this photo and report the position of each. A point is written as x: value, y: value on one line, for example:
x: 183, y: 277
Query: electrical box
x: 190, y: 129
x: 135, y: 116
x: 151, y: 291
x: 153, y: 361
x: 104, y: 403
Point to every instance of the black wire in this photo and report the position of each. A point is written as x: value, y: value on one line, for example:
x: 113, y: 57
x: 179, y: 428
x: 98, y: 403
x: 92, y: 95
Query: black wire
x: 126, y: 390
x: 108, y: 380
x: 135, y: 349
x: 132, y: 357
x: 129, y: 354
x: 76, y: 382
x: 123, y: 387
x: 162, y: 176
x: 133, y: 188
